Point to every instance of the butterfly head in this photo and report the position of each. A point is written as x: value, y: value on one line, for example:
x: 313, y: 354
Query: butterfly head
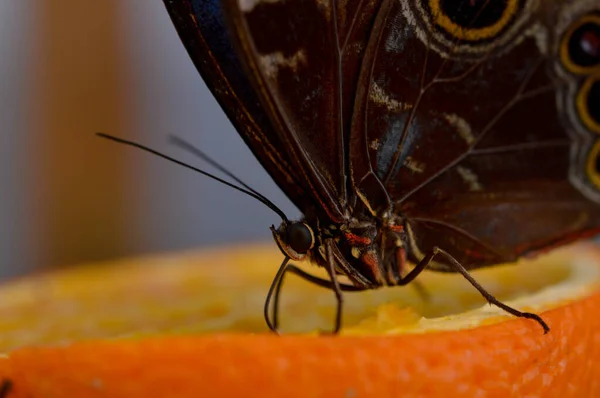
x: 294, y: 238
x: 373, y: 249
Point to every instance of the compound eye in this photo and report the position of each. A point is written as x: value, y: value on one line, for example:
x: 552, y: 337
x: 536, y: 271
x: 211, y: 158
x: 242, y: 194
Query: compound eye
x: 300, y: 237
x: 580, y: 50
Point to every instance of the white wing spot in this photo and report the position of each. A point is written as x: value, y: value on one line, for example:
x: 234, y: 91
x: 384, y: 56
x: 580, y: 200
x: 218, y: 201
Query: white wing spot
x: 273, y: 62
x: 540, y: 34
x: 380, y: 97
x: 324, y: 4
x: 463, y: 128
x: 375, y: 144
x: 248, y: 5
x: 469, y: 178
x: 414, y: 165
x: 355, y: 48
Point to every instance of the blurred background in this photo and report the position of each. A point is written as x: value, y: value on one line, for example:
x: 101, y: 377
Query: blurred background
x: 71, y: 68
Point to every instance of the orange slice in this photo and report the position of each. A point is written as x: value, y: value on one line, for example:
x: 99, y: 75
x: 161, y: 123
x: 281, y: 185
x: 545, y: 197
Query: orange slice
x: 190, y: 325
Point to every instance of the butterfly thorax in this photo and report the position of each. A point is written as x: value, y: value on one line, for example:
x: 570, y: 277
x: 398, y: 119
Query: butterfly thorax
x: 369, y: 251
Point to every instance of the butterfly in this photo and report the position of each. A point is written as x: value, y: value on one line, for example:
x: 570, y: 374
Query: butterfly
x: 450, y: 134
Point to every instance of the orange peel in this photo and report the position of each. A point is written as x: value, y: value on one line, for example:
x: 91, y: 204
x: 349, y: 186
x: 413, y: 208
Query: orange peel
x: 190, y: 325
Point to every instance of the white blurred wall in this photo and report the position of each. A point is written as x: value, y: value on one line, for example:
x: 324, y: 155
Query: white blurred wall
x: 69, y: 69
x: 17, y: 242
x: 168, y: 97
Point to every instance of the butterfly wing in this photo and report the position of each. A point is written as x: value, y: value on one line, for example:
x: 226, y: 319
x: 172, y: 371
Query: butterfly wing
x: 202, y: 28
x: 467, y: 137
x: 304, y: 59
x: 464, y: 136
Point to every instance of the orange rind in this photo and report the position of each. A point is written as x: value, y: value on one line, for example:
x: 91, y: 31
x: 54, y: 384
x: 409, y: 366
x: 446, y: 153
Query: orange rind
x: 190, y: 325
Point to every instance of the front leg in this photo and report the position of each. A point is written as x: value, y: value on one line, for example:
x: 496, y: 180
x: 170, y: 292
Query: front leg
x: 328, y: 284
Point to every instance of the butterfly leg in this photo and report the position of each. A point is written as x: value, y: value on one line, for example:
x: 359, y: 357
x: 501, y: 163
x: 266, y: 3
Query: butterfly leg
x: 459, y: 268
x: 272, y: 289
x: 292, y: 269
x: 275, y: 291
x: 330, y: 268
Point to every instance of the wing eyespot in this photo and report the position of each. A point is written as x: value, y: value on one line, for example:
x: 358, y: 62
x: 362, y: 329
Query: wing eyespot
x: 473, y: 21
x: 580, y: 45
x: 577, y: 62
x: 588, y: 103
x: 593, y: 165
x: 470, y: 29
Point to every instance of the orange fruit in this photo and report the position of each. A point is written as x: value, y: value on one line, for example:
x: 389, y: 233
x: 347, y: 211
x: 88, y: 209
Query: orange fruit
x: 190, y: 325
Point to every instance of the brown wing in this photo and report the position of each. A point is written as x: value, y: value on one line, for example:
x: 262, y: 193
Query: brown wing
x: 303, y: 58
x: 465, y: 134
x: 201, y: 27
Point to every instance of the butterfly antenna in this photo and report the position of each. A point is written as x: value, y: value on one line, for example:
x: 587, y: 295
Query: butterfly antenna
x: 246, y: 189
x: 186, y: 146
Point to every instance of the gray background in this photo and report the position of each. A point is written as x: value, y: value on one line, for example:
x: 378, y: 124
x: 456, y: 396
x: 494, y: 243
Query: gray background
x: 165, y: 206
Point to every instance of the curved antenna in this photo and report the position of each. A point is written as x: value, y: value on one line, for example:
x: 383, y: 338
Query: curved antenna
x: 246, y: 190
x: 186, y: 146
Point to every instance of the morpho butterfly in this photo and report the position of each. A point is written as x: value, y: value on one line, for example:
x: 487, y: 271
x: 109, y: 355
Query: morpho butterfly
x: 452, y: 134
